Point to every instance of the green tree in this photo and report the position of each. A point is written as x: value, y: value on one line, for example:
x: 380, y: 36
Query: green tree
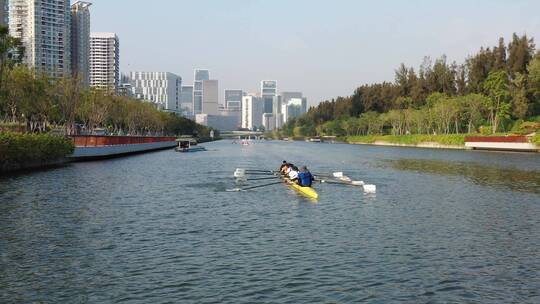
x: 520, y: 103
x: 534, y: 84
x: 497, y: 86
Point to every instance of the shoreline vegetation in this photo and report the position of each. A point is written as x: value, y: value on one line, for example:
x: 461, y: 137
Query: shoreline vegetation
x: 451, y: 140
x: 495, y: 91
x: 30, y: 151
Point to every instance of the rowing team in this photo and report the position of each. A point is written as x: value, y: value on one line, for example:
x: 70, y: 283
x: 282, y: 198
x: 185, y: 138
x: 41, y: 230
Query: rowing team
x: 301, y: 176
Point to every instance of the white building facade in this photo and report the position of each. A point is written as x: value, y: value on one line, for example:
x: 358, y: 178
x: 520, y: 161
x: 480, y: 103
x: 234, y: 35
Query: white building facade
x: 252, y: 112
x: 80, y: 41
x: 161, y: 88
x: 294, y: 107
x: 104, y: 61
x: 44, y: 28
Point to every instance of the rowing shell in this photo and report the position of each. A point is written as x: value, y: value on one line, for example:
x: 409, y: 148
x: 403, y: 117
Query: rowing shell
x: 306, y: 191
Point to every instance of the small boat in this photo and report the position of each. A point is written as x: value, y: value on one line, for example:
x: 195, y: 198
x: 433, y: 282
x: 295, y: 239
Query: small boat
x: 188, y: 145
x: 315, y: 139
x: 306, y: 191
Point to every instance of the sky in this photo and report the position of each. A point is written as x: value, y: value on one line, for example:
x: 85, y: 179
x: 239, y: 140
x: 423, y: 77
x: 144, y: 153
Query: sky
x: 322, y: 48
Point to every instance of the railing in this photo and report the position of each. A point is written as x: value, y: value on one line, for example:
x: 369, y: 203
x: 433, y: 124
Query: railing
x: 497, y: 139
x: 101, y: 141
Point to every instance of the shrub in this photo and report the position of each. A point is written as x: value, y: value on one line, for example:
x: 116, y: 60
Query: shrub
x: 20, y: 148
x: 527, y: 127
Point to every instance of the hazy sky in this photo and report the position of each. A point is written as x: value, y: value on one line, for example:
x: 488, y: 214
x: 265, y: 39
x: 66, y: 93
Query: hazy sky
x: 322, y: 48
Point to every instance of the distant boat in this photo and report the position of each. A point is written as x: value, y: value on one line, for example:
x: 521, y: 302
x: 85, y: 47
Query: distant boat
x: 188, y: 145
x: 315, y: 139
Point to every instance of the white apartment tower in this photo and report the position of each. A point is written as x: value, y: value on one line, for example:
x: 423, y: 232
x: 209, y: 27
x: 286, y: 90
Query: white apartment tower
x: 44, y: 29
x: 161, y: 88
x: 105, y: 61
x: 252, y: 112
x: 80, y: 41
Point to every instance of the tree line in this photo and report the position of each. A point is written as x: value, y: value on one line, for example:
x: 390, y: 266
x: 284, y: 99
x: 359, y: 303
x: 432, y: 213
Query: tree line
x: 495, y: 90
x: 41, y: 103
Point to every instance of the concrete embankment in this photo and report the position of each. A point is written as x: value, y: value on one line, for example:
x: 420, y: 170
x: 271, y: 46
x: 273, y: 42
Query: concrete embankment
x: 430, y: 145
x: 510, y: 143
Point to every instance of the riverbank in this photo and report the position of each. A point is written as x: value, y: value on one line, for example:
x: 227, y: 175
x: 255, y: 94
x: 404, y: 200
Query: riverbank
x: 450, y: 141
x: 32, y: 151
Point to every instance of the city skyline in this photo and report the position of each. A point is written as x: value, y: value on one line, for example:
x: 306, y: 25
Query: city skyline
x: 324, y: 55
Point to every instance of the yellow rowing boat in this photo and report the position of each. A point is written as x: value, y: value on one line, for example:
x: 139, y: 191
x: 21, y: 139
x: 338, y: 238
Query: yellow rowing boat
x: 306, y: 191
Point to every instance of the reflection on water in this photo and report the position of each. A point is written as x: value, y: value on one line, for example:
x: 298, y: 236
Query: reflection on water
x: 504, y: 178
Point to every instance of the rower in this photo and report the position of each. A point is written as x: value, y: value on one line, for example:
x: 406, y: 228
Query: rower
x: 287, y: 169
x: 293, y: 173
x: 283, y: 167
x: 305, y: 178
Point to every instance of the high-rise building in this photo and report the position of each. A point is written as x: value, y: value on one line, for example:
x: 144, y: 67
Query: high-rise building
x: 105, y: 61
x: 44, y: 29
x: 252, y: 111
x: 210, y: 97
x: 293, y: 108
x: 199, y: 77
x: 161, y: 88
x: 80, y: 41
x: 268, y: 94
x: 186, y: 100
x: 4, y: 12
x: 268, y: 121
x: 284, y: 98
x: 233, y: 99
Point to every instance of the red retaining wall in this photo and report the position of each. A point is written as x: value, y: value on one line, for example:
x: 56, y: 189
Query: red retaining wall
x: 498, y: 139
x: 100, y: 141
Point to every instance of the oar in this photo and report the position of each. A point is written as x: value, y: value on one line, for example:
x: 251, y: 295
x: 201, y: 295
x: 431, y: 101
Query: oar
x: 239, y: 173
x: 342, y: 182
x: 334, y: 175
x: 367, y: 188
x: 253, y: 187
x: 252, y: 170
x: 256, y: 179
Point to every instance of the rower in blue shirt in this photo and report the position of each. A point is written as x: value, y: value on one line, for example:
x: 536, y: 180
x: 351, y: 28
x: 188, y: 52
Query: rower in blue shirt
x: 305, y: 178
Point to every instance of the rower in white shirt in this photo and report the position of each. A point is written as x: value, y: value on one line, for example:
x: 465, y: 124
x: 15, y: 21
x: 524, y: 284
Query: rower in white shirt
x: 293, y: 173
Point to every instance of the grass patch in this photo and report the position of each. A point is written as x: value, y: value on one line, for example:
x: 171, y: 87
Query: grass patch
x: 450, y: 139
x: 536, y: 139
x: 21, y: 148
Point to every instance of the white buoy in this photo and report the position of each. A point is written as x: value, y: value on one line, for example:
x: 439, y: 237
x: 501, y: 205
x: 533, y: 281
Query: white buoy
x: 370, y: 188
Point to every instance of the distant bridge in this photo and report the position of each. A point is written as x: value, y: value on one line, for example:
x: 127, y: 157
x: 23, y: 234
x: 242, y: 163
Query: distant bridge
x: 242, y: 134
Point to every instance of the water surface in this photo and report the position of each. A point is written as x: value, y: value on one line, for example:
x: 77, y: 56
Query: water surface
x: 444, y: 227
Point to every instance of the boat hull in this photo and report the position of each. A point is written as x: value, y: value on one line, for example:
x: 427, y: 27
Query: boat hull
x: 305, y: 191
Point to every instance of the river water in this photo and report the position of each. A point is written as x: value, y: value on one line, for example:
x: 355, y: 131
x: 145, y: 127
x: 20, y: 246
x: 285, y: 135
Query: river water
x: 444, y: 227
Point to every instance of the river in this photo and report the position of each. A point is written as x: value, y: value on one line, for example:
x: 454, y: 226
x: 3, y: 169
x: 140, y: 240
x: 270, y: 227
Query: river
x: 444, y: 227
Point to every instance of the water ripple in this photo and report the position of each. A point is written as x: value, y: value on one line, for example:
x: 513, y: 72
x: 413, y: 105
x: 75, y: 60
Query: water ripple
x: 444, y: 227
